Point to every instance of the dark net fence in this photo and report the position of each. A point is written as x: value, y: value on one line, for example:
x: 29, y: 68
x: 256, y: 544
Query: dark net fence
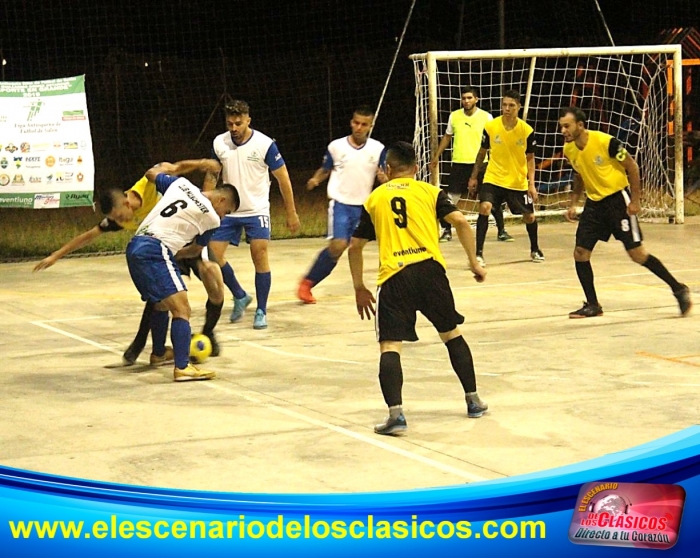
x: 158, y: 73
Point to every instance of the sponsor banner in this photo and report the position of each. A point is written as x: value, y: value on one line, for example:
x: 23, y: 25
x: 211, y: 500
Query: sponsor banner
x: 45, y: 141
x: 16, y: 200
x: 76, y: 199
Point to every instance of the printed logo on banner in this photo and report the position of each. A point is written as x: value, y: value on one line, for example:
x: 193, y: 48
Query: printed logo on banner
x: 34, y: 109
x: 33, y: 162
x: 18, y: 161
x: 74, y: 114
x: 47, y: 201
x: 4, y: 179
x: 4, y: 163
x: 34, y: 179
x: 40, y: 147
x: 80, y: 177
x: 24, y: 147
x: 49, y: 178
x: 80, y: 159
x: 70, y: 145
x: 65, y: 161
x: 50, y: 161
x: 10, y: 148
x: 18, y: 179
x: 634, y: 515
x: 64, y: 177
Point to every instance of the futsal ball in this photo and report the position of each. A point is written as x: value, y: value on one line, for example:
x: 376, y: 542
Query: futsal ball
x: 200, y: 348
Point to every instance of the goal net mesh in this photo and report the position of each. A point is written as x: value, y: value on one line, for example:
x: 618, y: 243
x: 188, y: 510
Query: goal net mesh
x: 628, y: 96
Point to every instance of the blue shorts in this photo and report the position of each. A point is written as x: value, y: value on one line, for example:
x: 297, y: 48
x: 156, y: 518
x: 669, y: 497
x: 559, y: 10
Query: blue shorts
x: 256, y: 227
x: 153, y: 269
x: 342, y: 219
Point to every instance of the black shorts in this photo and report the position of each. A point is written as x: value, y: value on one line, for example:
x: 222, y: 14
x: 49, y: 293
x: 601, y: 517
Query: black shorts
x: 420, y: 287
x: 606, y: 217
x: 519, y: 201
x: 458, y: 181
x: 189, y: 265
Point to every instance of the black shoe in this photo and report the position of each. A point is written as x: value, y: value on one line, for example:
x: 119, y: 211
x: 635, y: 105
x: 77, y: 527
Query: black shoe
x: 683, y: 297
x: 215, y: 349
x: 475, y: 406
x: 391, y: 425
x: 587, y: 311
x: 503, y: 236
x: 446, y: 235
x: 129, y: 357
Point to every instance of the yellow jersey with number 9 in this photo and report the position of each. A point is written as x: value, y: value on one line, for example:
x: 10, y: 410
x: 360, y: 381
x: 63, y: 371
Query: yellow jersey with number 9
x: 404, y: 215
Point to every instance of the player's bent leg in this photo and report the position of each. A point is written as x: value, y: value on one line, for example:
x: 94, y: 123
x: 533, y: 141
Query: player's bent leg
x: 263, y: 280
x: 653, y: 264
x: 463, y: 365
x: 213, y: 282
x: 391, y: 383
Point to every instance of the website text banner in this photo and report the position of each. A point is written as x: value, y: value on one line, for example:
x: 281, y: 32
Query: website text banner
x: 46, y: 158
x: 537, y: 514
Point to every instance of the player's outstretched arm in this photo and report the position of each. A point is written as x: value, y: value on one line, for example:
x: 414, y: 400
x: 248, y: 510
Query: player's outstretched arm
x: 75, y: 244
x: 209, y: 166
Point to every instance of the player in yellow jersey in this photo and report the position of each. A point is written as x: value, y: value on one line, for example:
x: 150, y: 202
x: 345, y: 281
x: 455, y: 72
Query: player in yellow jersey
x: 125, y: 211
x: 510, y: 173
x: 610, y: 177
x: 402, y: 216
x: 466, y: 127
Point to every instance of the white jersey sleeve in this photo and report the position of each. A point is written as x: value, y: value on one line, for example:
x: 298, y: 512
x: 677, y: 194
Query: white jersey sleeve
x: 354, y: 170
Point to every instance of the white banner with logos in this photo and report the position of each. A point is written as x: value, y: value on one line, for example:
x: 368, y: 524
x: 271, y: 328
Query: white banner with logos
x: 46, y: 158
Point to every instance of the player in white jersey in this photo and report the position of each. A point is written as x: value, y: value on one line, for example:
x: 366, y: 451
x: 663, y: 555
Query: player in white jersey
x: 182, y: 215
x: 247, y: 156
x: 352, y: 162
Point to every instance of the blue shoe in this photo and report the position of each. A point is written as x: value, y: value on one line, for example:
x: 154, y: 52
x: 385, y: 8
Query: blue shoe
x: 239, y: 306
x: 475, y: 406
x: 260, y: 321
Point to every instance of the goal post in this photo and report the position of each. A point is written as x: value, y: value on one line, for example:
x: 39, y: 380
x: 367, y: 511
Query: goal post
x: 633, y: 93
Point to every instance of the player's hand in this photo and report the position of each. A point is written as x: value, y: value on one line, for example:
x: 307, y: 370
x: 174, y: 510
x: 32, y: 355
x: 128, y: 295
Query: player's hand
x: 571, y: 214
x: 472, y: 184
x: 46, y: 262
x: 479, y: 273
x: 633, y: 208
x: 293, y: 223
x: 381, y: 176
x: 166, y: 168
x: 533, y: 192
x: 210, y: 165
x: 311, y: 184
x: 364, y: 299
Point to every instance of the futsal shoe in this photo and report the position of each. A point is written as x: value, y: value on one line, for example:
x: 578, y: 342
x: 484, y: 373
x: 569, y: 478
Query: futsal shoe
x: 683, y: 297
x: 239, y: 306
x: 537, y: 256
x: 304, y: 292
x: 167, y: 358
x: 215, y: 348
x: 475, y: 406
x: 260, y: 321
x: 392, y: 425
x: 446, y: 235
x: 503, y: 236
x: 587, y: 311
x: 191, y: 374
x: 480, y: 260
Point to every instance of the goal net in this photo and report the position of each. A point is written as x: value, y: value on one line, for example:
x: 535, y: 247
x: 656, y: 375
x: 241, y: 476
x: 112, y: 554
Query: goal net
x: 632, y: 93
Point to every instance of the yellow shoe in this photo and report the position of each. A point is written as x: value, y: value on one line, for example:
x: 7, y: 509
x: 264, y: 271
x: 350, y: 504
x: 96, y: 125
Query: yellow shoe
x: 167, y: 358
x: 192, y: 373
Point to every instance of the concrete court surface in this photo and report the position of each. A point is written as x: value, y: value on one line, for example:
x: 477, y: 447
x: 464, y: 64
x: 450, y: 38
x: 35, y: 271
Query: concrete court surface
x: 293, y: 406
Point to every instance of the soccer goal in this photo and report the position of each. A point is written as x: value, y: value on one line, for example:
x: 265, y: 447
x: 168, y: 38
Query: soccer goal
x: 633, y: 93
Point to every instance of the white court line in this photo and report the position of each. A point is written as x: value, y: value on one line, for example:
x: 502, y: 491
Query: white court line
x: 288, y: 412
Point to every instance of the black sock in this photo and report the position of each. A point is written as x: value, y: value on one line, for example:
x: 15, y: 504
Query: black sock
x: 532, y: 233
x: 391, y: 378
x: 657, y: 268
x: 482, y: 225
x: 141, y: 338
x: 585, y: 277
x: 497, y: 213
x: 445, y: 225
x: 462, y: 363
x: 213, y: 313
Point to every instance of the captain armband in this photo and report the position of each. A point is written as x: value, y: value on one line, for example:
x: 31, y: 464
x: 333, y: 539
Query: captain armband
x: 621, y: 154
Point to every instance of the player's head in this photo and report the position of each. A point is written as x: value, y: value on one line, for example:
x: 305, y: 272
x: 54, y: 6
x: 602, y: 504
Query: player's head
x: 114, y: 203
x: 361, y: 123
x: 470, y: 96
x: 237, y: 119
x: 572, y: 123
x: 510, y: 105
x: 224, y: 198
x: 401, y: 160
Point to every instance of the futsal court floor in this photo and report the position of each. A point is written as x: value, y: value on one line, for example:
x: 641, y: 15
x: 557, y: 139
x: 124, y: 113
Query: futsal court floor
x: 293, y: 406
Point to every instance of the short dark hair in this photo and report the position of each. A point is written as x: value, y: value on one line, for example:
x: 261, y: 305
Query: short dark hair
x: 232, y: 192
x: 401, y: 155
x: 364, y: 110
x: 472, y: 90
x: 512, y: 94
x: 107, y: 199
x: 236, y: 108
x: 577, y: 113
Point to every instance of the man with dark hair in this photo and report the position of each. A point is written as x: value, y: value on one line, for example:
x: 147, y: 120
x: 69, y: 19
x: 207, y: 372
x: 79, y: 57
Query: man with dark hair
x: 352, y: 162
x: 466, y: 126
x: 510, y: 173
x: 610, y: 177
x: 184, y: 214
x: 402, y: 216
x: 247, y: 157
